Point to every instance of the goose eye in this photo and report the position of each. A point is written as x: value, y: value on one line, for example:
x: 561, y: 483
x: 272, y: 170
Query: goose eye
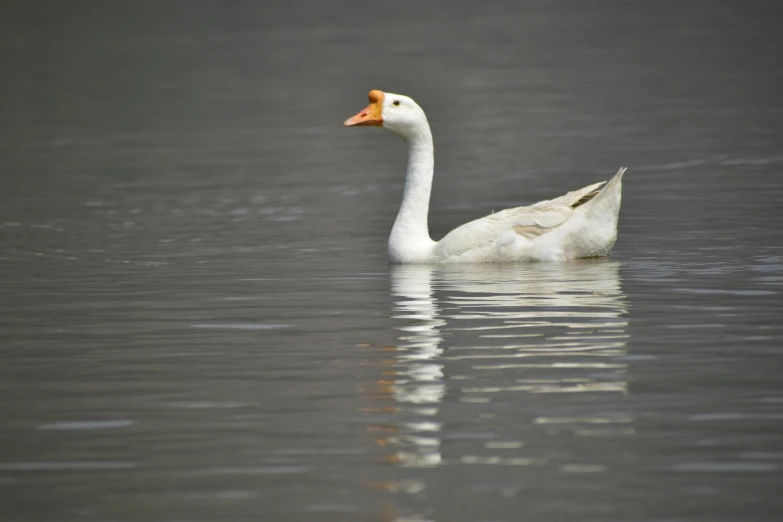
x: 396, y: 102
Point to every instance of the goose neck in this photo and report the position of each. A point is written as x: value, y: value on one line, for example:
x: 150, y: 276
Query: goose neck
x: 410, y: 239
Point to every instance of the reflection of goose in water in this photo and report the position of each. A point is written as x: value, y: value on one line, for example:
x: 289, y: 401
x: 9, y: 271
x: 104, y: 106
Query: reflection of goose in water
x: 475, y: 339
x: 550, y: 313
x: 418, y: 370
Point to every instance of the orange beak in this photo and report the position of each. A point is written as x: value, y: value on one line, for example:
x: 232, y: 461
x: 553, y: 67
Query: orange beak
x: 372, y: 115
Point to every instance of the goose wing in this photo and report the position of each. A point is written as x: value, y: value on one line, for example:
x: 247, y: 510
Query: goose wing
x: 529, y: 222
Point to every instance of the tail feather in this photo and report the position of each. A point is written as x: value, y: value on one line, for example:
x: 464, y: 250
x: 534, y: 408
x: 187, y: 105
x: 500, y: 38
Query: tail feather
x: 615, y: 180
x: 611, y: 192
x: 612, y: 186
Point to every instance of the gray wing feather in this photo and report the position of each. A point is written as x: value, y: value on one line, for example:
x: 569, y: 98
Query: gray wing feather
x: 529, y: 222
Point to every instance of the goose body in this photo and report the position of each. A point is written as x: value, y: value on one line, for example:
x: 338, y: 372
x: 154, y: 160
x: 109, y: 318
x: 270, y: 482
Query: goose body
x: 582, y: 223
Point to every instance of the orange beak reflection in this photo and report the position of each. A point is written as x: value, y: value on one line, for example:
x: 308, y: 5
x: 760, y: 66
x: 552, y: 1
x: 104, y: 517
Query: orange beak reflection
x: 372, y: 115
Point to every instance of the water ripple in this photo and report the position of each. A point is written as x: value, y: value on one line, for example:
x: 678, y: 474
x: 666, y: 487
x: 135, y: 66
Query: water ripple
x: 567, y: 323
x: 87, y: 425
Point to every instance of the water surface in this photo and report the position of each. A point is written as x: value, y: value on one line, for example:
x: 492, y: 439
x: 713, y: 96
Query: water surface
x: 198, y: 321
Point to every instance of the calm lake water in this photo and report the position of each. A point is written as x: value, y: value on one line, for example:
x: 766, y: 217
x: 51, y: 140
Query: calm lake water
x: 198, y: 321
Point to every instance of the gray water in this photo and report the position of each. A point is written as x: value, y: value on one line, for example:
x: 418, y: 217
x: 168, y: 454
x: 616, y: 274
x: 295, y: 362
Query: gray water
x: 198, y: 321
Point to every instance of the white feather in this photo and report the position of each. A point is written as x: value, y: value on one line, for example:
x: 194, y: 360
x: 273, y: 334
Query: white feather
x: 582, y: 223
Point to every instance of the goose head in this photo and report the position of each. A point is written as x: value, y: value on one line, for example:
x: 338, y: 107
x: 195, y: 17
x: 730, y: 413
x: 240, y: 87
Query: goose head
x: 395, y: 112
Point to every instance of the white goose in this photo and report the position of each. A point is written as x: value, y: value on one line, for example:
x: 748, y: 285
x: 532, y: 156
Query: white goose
x: 583, y: 223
